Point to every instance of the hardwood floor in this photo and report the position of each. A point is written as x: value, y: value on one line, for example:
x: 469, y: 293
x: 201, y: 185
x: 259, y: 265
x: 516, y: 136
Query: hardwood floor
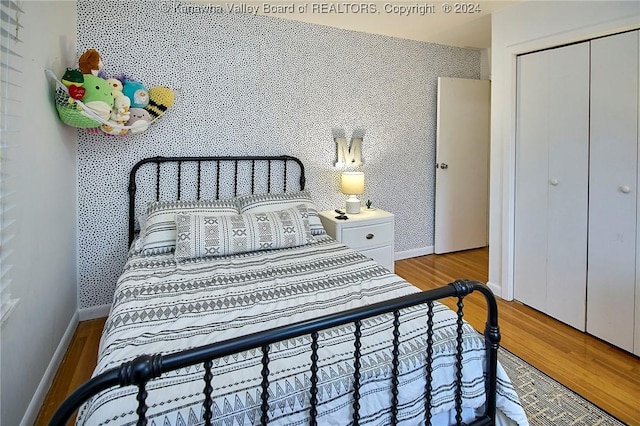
x: 605, y: 375
x: 601, y: 373
x: 76, y: 367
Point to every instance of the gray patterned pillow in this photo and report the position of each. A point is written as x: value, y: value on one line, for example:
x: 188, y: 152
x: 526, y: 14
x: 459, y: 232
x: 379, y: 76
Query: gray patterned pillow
x: 160, y: 231
x: 271, y: 202
x: 204, y: 236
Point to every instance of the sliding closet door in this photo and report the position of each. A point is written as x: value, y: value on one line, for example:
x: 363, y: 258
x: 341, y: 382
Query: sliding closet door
x: 552, y: 148
x: 613, y: 189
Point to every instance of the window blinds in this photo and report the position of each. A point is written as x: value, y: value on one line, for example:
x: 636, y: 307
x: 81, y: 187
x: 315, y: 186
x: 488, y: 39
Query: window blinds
x: 11, y: 63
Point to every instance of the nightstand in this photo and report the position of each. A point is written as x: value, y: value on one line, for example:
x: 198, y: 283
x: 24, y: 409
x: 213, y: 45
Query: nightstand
x: 369, y: 232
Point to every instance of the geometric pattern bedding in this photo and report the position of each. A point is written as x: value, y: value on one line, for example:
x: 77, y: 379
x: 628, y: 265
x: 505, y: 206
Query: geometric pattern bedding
x: 210, y: 235
x: 260, y: 203
x: 164, y: 306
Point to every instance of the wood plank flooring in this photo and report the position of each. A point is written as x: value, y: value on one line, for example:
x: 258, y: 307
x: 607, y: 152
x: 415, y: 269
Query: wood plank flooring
x: 605, y: 375
x: 76, y: 367
x: 601, y: 373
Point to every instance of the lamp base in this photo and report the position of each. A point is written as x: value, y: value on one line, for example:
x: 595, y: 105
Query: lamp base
x: 353, y: 205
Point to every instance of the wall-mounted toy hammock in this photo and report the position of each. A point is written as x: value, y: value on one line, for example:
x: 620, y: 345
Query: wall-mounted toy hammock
x: 113, y: 106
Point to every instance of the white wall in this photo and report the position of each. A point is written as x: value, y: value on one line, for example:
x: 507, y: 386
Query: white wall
x: 521, y: 28
x: 42, y: 173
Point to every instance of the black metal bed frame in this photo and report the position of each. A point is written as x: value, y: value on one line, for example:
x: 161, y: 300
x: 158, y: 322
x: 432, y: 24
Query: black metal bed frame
x: 147, y: 367
x: 216, y: 162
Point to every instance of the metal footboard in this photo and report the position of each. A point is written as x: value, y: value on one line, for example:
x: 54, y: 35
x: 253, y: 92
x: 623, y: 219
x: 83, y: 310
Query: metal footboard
x: 144, y: 368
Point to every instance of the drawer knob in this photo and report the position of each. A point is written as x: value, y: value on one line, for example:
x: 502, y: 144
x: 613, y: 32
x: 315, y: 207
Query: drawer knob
x: 369, y: 236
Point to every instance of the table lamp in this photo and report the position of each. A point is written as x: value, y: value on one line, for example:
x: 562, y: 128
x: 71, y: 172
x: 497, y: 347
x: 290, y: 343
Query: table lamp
x: 352, y: 184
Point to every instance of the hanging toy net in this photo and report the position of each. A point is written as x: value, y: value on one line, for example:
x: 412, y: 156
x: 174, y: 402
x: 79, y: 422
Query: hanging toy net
x: 74, y: 113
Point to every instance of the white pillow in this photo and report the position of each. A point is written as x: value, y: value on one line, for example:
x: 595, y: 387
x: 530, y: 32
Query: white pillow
x: 255, y: 203
x: 159, y: 234
x: 138, y: 244
x: 142, y: 223
x: 205, y: 236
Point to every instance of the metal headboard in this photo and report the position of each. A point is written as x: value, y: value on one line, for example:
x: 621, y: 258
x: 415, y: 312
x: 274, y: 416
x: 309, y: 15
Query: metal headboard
x: 275, y: 166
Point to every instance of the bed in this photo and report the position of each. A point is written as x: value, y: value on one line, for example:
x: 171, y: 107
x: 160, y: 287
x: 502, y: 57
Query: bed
x: 275, y: 323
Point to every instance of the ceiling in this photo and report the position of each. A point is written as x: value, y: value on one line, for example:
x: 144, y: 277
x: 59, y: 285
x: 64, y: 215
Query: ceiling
x: 469, y: 26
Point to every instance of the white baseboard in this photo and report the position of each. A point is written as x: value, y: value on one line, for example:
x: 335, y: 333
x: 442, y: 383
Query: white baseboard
x: 94, y: 312
x: 495, y: 288
x: 423, y: 251
x: 47, y: 378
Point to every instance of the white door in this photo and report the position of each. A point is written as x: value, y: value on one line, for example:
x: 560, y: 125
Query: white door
x: 613, y: 189
x: 462, y: 164
x: 552, y: 159
x: 636, y: 339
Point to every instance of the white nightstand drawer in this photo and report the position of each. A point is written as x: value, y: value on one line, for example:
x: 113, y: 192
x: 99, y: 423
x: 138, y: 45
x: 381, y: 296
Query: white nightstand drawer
x: 370, y: 233
x: 368, y: 236
x: 383, y: 255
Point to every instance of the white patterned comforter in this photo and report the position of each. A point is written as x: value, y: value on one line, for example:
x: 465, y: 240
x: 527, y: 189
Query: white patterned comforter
x: 163, y: 307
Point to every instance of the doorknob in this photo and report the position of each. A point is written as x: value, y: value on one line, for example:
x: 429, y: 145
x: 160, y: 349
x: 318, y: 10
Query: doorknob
x: 444, y: 165
x: 554, y: 182
x: 625, y: 189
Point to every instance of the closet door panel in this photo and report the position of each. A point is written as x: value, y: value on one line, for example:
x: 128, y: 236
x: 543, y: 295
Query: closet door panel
x: 613, y: 189
x: 636, y: 340
x: 551, y: 182
x: 530, y: 249
x: 568, y: 134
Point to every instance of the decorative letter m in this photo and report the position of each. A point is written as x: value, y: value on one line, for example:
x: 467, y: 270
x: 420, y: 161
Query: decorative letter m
x: 349, y: 156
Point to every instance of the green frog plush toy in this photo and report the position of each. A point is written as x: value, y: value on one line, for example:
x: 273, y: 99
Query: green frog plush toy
x: 97, y: 96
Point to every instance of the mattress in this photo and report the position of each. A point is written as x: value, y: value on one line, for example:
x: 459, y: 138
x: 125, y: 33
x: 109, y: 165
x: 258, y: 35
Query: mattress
x: 164, y: 306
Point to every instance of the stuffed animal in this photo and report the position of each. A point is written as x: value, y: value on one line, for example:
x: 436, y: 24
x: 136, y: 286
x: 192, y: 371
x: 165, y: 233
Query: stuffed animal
x: 73, y: 80
x: 90, y: 62
x: 136, y: 92
x: 76, y: 92
x: 98, y: 96
x: 160, y: 99
x: 72, y: 77
x: 112, y: 130
x: 140, y: 120
x: 120, y: 113
x: 116, y: 87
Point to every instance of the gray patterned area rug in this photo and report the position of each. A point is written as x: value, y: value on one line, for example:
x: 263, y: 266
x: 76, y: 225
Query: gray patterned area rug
x: 548, y: 402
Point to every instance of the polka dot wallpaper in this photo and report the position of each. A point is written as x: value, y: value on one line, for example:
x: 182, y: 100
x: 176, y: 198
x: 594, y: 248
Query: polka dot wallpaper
x: 261, y: 85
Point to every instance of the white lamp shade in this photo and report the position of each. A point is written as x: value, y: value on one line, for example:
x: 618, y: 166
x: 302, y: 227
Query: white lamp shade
x: 352, y: 183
